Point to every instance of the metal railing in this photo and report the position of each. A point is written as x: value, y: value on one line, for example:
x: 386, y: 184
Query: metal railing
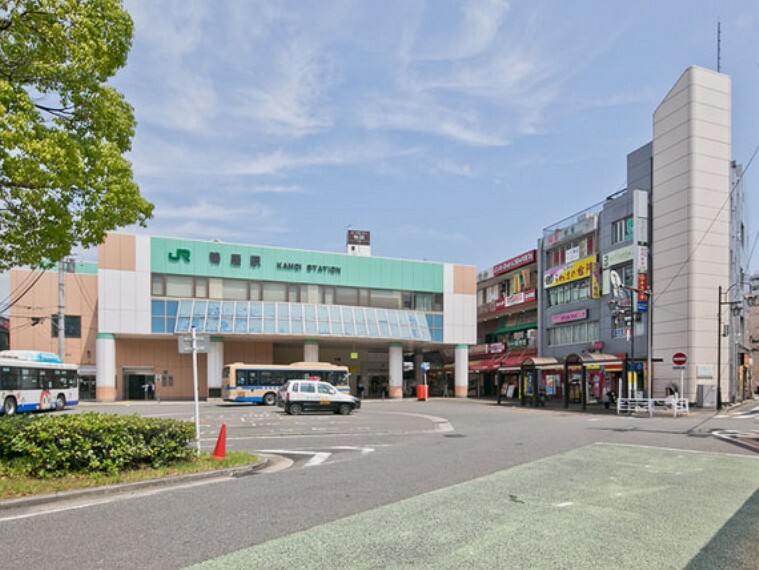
x: 651, y: 405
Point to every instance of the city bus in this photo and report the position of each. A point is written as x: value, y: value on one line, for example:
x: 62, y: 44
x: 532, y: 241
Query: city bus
x: 259, y: 383
x: 33, y: 381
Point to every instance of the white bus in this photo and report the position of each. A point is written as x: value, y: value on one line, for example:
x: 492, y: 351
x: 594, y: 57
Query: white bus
x: 31, y: 381
x: 259, y: 383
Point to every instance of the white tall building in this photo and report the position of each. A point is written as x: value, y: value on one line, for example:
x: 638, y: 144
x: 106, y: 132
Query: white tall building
x: 691, y: 229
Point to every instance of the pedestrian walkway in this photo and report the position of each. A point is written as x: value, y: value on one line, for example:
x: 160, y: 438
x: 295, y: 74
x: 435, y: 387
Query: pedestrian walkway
x: 601, y: 506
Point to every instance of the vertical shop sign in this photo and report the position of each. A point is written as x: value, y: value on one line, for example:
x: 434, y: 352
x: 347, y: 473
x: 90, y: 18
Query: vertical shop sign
x: 595, y: 281
x: 642, y: 297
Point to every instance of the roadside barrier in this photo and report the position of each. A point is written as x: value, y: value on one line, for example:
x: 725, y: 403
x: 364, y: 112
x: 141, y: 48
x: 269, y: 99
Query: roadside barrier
x: 651, y: 405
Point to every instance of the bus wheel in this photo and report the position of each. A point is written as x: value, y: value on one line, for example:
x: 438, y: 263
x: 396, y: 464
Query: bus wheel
x: 60, y: 402
x: 10, y: 407
x: 270, y: 398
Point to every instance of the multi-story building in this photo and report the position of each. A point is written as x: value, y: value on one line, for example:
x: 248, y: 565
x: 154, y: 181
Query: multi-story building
x: 667, y: 239
x: 507, y: 323
x: 255, y: 304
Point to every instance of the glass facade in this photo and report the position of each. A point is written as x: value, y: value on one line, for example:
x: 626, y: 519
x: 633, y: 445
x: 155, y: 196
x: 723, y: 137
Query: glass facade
x: 284, y: 318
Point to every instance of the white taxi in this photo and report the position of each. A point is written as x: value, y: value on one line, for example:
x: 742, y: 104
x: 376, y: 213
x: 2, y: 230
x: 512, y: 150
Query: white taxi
x: 298, y: 396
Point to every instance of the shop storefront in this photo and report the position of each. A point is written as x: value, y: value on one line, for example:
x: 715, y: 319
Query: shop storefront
x: 586, y: 378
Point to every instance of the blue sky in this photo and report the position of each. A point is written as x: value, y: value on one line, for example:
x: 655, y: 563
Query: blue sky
x: 453, y: 131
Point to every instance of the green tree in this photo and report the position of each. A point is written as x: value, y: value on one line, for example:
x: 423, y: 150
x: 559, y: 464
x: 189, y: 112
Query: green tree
x: 64, y: 180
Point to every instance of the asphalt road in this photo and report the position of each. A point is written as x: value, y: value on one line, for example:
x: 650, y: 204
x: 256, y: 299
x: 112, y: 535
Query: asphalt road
x: 444, y: 483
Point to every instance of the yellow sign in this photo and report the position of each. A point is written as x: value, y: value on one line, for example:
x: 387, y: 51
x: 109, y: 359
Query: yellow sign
x: 561, y: 274
x: 354, y: 355
x: 595, y: 286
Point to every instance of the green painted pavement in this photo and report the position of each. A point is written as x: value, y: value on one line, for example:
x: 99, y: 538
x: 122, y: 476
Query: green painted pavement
x: 601, y: 506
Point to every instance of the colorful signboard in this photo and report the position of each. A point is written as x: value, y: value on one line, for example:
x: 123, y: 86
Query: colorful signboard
x: 617, y: 257
x: 642, y: 296
x: 515, y: 299
x: 569, y: 317
x: 569, y: 272
x: 515, y: 263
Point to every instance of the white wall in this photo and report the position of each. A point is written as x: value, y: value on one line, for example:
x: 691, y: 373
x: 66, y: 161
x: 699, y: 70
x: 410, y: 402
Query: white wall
x: 691, y: 183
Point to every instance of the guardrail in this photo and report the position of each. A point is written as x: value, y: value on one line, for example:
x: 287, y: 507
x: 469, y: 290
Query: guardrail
x: 651, y: 405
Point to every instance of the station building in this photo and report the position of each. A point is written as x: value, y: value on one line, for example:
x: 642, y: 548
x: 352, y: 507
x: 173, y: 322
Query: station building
x: 254, y: 304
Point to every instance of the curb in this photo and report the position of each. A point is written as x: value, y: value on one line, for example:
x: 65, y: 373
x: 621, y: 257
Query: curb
x: 35, y: 500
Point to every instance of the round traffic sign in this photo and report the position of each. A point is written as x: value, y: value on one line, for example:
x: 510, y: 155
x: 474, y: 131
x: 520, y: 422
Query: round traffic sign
x: 679, y: 358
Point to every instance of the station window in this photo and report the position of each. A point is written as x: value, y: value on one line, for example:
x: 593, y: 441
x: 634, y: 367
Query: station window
x: 201, y: 287
x: 255, y: 291
x: 274, y: 291
x: 293, y: 293
x: 158, y: 285
x: 179, y: 286
x: 234, y: 289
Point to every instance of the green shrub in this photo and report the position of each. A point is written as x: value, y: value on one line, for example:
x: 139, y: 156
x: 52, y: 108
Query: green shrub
x: 51, y: 446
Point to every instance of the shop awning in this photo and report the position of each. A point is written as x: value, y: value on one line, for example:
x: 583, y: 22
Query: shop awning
x: 512, y: 360
x: 516, y: 328
x: 530, y: 360
x: 511, y: 364
x: 485, y: 364
x: 593, y: 358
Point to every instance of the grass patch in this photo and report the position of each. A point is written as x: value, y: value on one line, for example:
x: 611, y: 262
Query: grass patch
x: 15, y: 483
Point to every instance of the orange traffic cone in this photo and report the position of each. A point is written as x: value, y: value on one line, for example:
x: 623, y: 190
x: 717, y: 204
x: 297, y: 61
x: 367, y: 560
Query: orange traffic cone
x: 220, y: 451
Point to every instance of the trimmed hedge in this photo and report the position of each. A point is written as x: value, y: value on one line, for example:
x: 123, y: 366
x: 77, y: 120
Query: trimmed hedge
x: 52, y: 446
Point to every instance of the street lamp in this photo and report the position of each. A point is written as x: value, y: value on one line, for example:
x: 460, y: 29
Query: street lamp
x: 736, y: 308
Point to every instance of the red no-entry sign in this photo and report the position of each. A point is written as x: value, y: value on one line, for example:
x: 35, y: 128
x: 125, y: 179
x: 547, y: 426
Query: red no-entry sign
x: 679, y: 358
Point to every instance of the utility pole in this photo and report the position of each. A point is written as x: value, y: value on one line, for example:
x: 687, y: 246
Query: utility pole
x: 61, y: 311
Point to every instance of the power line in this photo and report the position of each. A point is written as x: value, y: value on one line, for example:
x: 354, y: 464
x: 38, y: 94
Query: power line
x: 29, y: 275
x: 24, y: 292
x: 711, y: 224
x: 84, y: 293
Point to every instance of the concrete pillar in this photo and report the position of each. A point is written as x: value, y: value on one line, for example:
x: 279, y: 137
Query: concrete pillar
x: 461, y: 376
x: 105, y: 367
x: 215, y: 365
x: 395, y: 370
x: 311, y: 351
x: 418, y: 357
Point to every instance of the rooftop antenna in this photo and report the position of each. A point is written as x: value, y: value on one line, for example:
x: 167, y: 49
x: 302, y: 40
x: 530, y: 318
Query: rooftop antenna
x: 719, y: 47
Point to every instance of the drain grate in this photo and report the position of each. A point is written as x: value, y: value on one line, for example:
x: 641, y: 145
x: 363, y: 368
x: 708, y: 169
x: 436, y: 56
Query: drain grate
x: 454, y: 435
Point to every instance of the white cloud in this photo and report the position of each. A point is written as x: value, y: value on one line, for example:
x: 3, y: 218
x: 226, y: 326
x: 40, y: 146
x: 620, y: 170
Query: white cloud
x: 429, y: 118
x: 292, y: 101
x: 463, y: 170
x: 471, y: 31
x: 281, y: 162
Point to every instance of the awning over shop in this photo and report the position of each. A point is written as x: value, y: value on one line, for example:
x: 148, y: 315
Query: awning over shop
x: 512, y: 360
x: 593, y: 358
x: 516, y: 328
x: 486, y: 364
x: 542, y: 362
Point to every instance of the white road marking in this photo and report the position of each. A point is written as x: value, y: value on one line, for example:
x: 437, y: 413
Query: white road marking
x: 562, y: 505
x: 363, y: 450
x: 71, y: 505
x: 441, y: 424
x: 318, y: 459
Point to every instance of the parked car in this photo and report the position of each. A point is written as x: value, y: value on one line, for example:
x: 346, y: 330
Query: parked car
x: 298, y: 396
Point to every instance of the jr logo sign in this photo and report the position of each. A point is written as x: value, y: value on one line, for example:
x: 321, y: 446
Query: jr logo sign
x: 183, y: 254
